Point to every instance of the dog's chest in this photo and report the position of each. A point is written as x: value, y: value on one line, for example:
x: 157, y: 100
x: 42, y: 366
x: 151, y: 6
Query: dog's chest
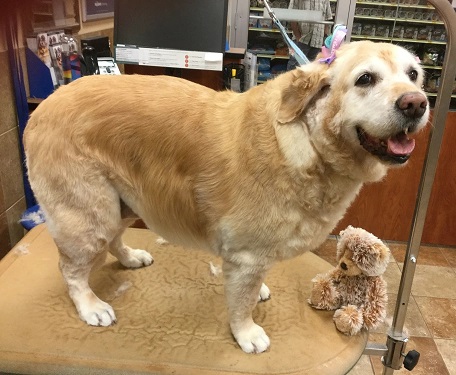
x: 315, y: 211
x: 287, y: 217
x: 282, y: 232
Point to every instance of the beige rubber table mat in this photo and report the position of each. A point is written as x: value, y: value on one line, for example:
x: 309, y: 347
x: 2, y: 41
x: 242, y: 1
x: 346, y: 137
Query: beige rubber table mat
x: 172, y: 317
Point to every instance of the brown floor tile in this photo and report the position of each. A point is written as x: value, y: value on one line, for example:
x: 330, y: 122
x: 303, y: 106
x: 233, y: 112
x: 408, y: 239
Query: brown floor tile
x: 433, y: 281
x: 431, y: 362
x: 432, y: 256
x: 397, y: 250
x: 439, y: 314
x: 415, y: 325
x: 327, y: 251
x: 450, y: 255
x: 363, y: 367
x: 427, y: 256
x: 447, y: 349
x: 392, y: 276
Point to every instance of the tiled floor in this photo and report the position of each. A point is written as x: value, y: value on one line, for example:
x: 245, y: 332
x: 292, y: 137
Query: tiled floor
x: 431, y: 314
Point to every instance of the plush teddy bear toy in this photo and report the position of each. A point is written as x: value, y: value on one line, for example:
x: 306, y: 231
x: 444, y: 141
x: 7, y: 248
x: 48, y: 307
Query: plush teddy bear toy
x: 355, y: 288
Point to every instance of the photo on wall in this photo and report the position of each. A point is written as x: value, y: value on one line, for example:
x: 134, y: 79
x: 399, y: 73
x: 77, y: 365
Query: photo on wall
x: 97, y: 9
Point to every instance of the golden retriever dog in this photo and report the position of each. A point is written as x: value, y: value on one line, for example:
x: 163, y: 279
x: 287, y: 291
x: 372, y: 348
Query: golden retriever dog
x: 255, y: 177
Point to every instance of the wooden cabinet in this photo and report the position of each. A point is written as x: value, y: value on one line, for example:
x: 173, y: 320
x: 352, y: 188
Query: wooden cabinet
x: 440, y: 224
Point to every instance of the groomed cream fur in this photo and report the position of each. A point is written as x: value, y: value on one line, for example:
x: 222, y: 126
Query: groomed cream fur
x: 255, y: 177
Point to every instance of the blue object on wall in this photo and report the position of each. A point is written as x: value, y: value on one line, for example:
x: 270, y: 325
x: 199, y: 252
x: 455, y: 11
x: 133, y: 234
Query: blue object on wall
x: 32, y: 217
x: 40, y: 80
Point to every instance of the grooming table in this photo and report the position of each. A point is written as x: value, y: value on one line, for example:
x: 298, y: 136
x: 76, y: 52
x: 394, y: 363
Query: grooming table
x: 172, y: 317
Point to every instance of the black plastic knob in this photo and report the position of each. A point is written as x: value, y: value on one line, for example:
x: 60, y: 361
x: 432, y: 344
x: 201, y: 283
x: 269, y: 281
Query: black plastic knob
x: 411, y: 359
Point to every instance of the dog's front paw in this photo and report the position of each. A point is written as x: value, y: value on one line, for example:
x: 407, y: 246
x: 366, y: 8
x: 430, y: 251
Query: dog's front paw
x: 137, y: 258
x: 265, y: 294
x: 252, y: 339
x: 97, y: 313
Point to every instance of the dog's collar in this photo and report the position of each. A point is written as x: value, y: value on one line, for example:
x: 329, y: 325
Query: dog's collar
x: 332, y: 44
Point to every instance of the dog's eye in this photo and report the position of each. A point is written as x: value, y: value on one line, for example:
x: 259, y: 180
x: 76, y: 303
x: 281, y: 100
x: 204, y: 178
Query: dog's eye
x: 365, y: 80
x: 413, y: 75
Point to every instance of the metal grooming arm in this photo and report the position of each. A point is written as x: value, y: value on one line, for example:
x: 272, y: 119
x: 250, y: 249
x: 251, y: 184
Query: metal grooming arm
x: 393, y: 352
x: 299, y: 55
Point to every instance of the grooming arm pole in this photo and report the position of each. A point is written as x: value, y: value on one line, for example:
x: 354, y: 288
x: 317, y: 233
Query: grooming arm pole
x: 299, y: 55
x: 394, y: 351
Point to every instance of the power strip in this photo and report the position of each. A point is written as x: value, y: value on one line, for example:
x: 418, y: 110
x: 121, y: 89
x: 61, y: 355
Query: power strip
x: 107, y: 65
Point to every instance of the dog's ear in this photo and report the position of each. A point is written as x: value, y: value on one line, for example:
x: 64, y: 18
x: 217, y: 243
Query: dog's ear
x: 302, y: 85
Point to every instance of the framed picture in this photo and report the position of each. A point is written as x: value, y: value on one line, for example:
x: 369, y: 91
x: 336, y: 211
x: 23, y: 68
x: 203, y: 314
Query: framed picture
x: 97, y: 9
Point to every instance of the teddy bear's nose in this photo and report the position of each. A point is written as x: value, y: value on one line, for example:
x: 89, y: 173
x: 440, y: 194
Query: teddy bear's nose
x: 343, y: 266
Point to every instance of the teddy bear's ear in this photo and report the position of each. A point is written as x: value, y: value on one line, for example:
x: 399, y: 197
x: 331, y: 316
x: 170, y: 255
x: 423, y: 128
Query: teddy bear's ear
x: 341, y: 246
x: 346, y: 236
x: 346, y: 230
x: 383, y: 257
x: 372, y: 258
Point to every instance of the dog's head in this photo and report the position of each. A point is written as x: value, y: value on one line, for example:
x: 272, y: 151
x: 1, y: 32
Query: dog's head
x: 369, y: 102
x: 382, y: 98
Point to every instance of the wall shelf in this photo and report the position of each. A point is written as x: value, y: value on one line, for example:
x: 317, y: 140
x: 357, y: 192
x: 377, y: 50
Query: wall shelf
x: 426, y: 22
x: 401, y: 40
x: 285, y: 57
x: 266, y: 30
x: 395, y: 5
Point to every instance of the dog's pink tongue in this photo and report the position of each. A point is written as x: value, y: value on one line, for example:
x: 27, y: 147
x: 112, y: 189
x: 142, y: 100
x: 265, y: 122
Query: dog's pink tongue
x: 400, y: 144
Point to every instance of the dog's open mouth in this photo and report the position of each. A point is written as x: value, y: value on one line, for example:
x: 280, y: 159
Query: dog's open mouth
x: 395, y: 149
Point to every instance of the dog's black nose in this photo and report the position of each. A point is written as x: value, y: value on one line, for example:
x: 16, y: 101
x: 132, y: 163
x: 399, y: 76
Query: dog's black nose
x: 343, y: 266
x: 412, y: 104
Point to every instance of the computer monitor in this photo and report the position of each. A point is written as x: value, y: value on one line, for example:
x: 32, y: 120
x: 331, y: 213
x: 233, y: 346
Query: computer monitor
x: 171, y: 33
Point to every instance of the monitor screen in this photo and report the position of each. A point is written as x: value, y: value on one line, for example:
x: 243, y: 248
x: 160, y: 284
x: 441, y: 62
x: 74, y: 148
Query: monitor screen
x: 196, y: 25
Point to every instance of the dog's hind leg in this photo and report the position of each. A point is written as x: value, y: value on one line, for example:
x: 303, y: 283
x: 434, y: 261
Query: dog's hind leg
x: 83, y: 217
x: 128, y: 257
x: 82, y: 236
x: 76, y: 262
